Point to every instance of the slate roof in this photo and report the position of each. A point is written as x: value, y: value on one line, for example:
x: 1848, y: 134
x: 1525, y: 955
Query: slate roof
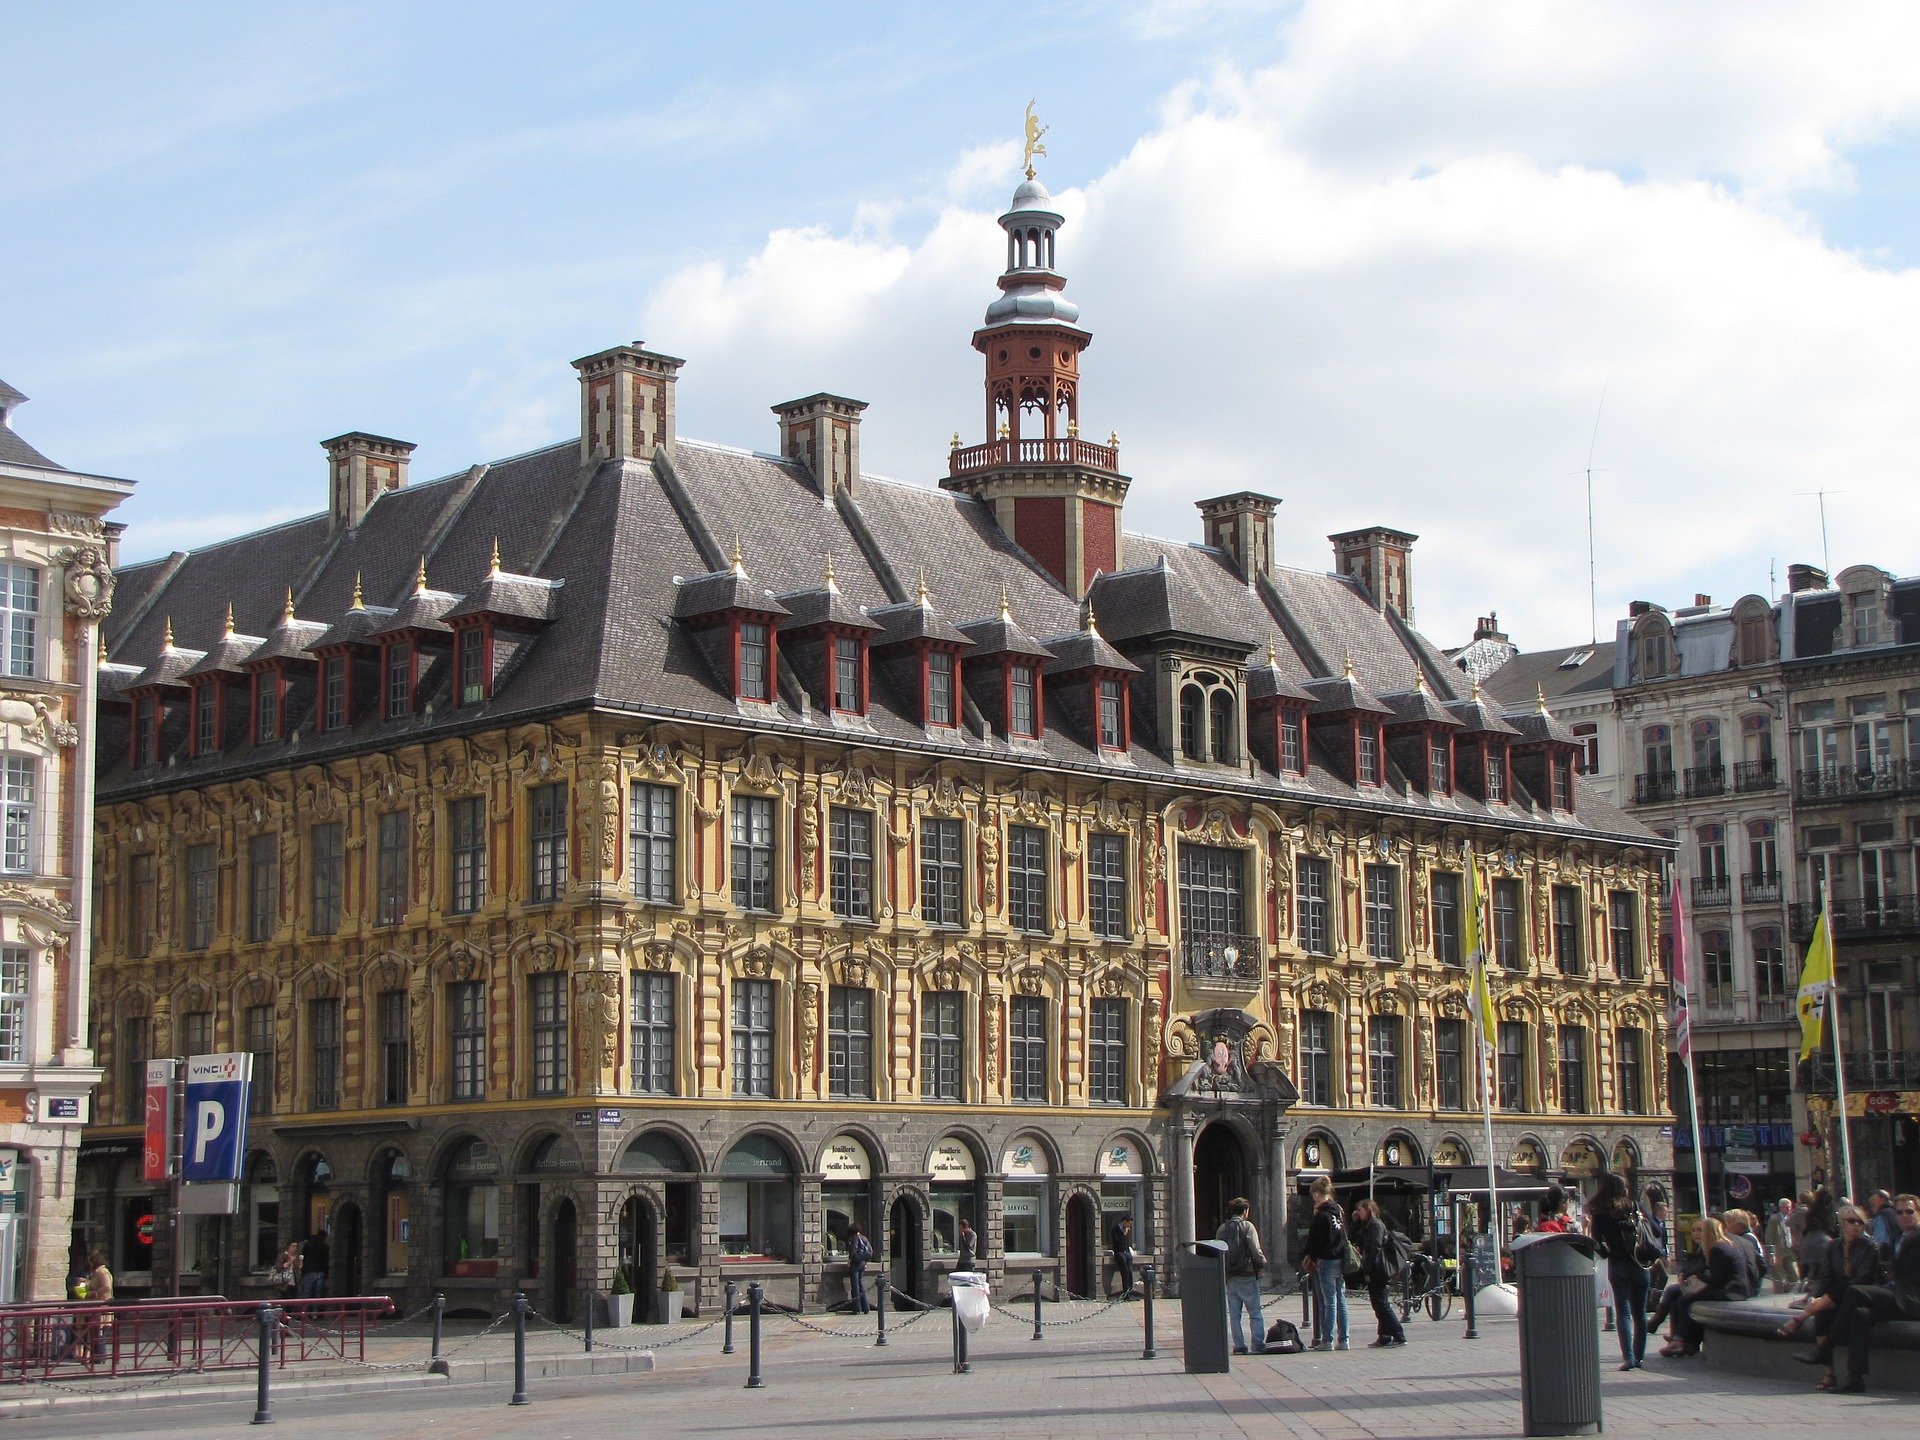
x: 1522, y: 678
x: 1086, y: 650
x: 615, y: 557
x: 14, y: 450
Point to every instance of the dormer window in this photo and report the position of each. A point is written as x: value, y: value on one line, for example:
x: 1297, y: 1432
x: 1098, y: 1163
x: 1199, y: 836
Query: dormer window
x: 333, y: 683
x: 940, y: 688
x: 1560, y: 778
x: 1023, y: 697
x: 1439, y: 765
x: 1866, y: 617
x: 1220, y: 726
x: 471, y: 645
x: 1496, y: 774
x: 1366, y: 767
x: 146, y: 731
x: 849, y: 688
x: 751, y: 682
x: 398, y: 674
x: 206, y: 717
x: 266, y: 706
x: 1192, y: 701
x: 1293, y: 742
x: 1113, y: 715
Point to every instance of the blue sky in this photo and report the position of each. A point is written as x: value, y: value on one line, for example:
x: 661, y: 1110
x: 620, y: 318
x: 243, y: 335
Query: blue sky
x: 1378, y: 259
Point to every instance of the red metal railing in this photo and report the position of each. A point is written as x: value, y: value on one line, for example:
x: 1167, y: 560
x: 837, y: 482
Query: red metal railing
x: 995, y: 453
x: 73, y: 1341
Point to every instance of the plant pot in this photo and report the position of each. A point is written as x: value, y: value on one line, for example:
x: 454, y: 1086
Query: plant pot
x: 619, y: 1309
x: 669, y: 1306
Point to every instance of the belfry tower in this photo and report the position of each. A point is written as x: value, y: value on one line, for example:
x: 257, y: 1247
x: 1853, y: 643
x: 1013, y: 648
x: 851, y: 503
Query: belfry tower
x: 1058, y: 496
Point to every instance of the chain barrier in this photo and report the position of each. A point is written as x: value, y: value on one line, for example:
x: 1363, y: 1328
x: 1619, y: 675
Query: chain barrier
x: 426, y: 1309
x: 165, y: 1377
x: 1025, y: 1316
x: 600, y: 1342
x: 819, y: 1329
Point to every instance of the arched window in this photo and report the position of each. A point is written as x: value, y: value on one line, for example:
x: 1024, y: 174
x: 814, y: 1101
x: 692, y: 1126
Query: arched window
x: 1192, y: 706
x: 1220, y: 726
x: 471, y: 1182
x: 1026, y: 1211
x: 657, y: 1154
x: 846, y: 1194
x: 756, y: 1200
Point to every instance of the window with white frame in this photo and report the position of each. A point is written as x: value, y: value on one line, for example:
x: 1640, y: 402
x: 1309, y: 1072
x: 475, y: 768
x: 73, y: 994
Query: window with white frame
x: 22, y: 801
x: 650, y: 1034
x: 20, y: 609
x: 650, y: 842
x: 14, y: 974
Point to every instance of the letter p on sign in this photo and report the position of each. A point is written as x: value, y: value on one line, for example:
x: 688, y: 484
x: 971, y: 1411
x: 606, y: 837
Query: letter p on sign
x: 209, y: 1123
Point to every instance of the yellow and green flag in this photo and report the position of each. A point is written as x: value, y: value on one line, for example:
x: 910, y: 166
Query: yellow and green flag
x: 1481, y: 998
x: 1816, y: 983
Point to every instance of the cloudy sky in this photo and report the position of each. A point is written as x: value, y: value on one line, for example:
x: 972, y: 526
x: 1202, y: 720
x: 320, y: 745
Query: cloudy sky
x: 1412, y: 264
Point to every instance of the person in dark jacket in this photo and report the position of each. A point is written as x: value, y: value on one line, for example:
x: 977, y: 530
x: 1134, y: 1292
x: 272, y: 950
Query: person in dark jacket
x: 969, y: 1247
x: 1614, y: 1221
x: 859, y: 1256
x: 1851, y: 1260
x: 1369, y: 1234
x: 1867, y: 1305
x: 315, y: 1257
x: 1819, y: 1227
x: 1727, y: 1276
x: 1753, y: 1254
x: 1120, y: 1243
x: 1326, y: 1262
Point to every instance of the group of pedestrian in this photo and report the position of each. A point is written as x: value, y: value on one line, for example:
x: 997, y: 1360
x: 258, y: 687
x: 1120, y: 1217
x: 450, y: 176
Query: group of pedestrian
x: 1337, y: 1246
x: 1863, y: 1270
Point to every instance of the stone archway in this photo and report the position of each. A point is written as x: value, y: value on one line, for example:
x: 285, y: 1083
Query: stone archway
x: 1220, y: 1172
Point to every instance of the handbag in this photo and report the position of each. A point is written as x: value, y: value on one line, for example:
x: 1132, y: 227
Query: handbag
x: 1693, y: 1285
x: 1350, y: 1261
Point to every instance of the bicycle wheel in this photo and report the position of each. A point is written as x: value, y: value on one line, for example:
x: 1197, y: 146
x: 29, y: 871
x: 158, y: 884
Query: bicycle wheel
x: 1439, y: 1302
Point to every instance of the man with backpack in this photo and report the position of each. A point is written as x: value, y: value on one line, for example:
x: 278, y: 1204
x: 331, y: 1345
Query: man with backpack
x: 859, y: 1256
x: 1326, y: 1263
x: 1245, y: 1261
x: 1381, y: 1261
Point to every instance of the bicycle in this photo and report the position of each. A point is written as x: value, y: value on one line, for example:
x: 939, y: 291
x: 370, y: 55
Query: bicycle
x: 1424, y: 1284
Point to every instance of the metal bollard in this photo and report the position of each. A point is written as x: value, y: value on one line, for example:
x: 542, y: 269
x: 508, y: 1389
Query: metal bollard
x: 754, y: 1382
x: 1467, y: 1290
x: 727, y: 1349
x: 960, y: 1365
x: 880, y: 1294
x: 1146, y: 1276
x: 1036, y: 1304
x: 1609, y: 1324
x: 435, y: 1365
x: 586, y: 1304
x: 519, y: 1350
x: 262, y: 1408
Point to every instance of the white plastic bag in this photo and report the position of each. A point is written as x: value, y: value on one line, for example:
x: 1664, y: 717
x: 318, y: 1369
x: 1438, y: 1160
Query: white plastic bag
x: 971, y: 1298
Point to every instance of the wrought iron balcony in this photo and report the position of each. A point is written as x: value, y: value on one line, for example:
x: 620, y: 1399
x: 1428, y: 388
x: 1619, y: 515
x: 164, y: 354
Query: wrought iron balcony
x: 1831, y: 784
x: 1228, y: 959
x: 1760, y: 886
x: 1706, y: 780
x: 1655, y: 786
x: 1866, y: 1070
x: 966, y: 459
x: 1710, y: 891
x: 1755, y: 775
x: 1889, y: 916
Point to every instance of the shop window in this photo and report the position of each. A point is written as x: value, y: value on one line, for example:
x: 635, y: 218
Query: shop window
x: 1025, y: 1206
x: 846, y: 1195
x: 756, y: 1201
x: 263, y: 1216
x: 954, y: 1195
x: 473, y: 1210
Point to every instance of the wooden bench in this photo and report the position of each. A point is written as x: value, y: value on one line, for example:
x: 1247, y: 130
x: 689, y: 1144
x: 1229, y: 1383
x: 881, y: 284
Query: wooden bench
x: 1741, y: 1337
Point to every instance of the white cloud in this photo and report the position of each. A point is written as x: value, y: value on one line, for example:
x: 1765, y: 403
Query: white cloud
x: 1388, y: 278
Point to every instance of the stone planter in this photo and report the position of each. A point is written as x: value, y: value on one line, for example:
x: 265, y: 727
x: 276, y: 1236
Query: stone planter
x: 620, y: 1309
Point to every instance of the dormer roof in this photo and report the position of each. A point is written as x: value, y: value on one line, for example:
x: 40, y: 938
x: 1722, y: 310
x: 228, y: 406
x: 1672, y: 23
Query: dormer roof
x: 1478, y: 717
x: 1002, y: 636
x: 226, y: 656
x: 1418, y: 707
x: 1344, y: 695
x: 505, y: 596
x: 168, y: 669
x: 421, y: 613
x: 915, y: 620
x: 357, y: 627
x: 719, y: 591
x: 1156, y: 600
x: 1086, y: 650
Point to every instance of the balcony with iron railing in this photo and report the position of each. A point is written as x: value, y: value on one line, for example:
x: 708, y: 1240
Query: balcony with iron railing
x: 1866, y: 1070
x: 1721, y: 1006
x: 1234, y: 960
x: 1654, y: 787
x: 1711, y: 891
x: 1706, y: 780
x: 1755, y: 775
x: 997, y: 454
x: 1889, y: 917
x: 1760, y: 887
x: 1833, y: 784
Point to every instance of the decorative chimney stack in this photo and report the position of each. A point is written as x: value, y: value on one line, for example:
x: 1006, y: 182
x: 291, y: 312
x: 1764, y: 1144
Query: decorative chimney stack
x: 822, y: 432
x: 1805, y: 577
x: 626, y: 403
x: 360, y: 468
x: 1378, y: 558
x: 1242, y: 525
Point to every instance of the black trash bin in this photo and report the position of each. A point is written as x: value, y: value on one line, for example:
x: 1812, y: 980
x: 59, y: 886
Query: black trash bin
x: 1559, y: 1334
x: 1203, y: 1307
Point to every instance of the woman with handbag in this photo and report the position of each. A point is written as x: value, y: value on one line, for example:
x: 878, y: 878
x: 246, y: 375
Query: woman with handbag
x: 1726, y: 1277
x: 1851, y: 1260
x: 1376, y: 1263
x: 1622, y: 1234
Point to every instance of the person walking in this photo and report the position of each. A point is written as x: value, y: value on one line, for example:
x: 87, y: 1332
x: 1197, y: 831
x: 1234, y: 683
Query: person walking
x: 91, y: 1330
x: 1851, y: 1260
x: 1120, y: 1242
x: 1867, y: 1305
x: 285, y: 1274
x: 1326, y: 1263
x: 969, y: 1247
x: 1553, y: 1212
x: 1780, y: 1248
x: 1245, y: 1261
x: 1369, y: 1233
x: 315, y: 1257
x: 1615, y: 1223
x: 859, y: 1256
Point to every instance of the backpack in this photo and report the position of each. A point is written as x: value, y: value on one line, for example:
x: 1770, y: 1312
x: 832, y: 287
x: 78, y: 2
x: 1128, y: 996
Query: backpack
x: 1283, y: 1336
x: 1244, y: 1256
x: 861, y: 1250
x: 1398, y: 1252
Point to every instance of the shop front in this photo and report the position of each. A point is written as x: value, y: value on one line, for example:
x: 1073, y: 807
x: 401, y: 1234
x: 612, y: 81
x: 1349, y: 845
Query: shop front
x: 846, y: 1202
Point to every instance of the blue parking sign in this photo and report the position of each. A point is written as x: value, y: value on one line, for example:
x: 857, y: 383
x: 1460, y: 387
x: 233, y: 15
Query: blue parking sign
x: 216, y: 1138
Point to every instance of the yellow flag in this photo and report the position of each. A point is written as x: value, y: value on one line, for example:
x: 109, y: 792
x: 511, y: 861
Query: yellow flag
x: 1816, y: 983
x: 1480, y: 998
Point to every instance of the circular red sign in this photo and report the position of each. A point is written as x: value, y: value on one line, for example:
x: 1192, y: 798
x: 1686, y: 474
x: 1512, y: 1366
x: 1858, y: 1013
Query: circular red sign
x: 145, y: 1229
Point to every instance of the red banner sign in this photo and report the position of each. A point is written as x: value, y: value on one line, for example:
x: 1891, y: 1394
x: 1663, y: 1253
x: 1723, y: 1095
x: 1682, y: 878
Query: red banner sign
x: 159, y: 1120
x: 1883, y: 1102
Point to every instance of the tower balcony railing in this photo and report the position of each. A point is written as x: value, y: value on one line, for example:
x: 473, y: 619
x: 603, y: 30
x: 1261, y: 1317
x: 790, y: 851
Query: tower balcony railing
x: 1755, y: 775
x: 966, y: 459
x: 1706, y: 780
x: 1224, y: 959
x: 1866, y: 1070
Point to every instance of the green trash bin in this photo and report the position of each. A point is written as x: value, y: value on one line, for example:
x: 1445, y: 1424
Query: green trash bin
x: 1203, y: 1307
x: 1559, y: 1334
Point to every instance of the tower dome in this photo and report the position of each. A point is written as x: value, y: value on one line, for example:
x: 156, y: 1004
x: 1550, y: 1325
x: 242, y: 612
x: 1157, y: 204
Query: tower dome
x: 1031, y: 289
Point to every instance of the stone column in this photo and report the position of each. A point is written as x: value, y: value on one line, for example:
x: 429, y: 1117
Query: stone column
x: 1273, y: 1223
x: 1182, y: 1168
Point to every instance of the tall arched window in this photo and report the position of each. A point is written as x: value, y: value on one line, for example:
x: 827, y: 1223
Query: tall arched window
x: 1192, y: 704
x: 1220, y: 727
x: 471, y: 1182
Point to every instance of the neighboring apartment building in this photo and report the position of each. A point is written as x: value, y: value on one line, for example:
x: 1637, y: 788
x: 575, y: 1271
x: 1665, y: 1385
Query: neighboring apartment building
x: 56, y: 586
x: 641, y: 853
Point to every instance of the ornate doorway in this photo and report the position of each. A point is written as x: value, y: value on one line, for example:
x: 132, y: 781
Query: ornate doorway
x: 1220, y: 1172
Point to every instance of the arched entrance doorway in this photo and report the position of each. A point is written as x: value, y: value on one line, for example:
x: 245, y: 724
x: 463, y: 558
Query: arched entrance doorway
x: 344, y: 1276
x: 638, y: 1254
x: 1083, y: 1246
x: 563, y: 1238
x: 903, y: 1247
x: 1219, y: 1174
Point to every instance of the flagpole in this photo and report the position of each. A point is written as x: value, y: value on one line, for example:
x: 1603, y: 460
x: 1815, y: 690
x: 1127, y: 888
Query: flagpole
x: 1699, y: 1141
x: 1484, y: 996
x: 1833, y: 1012
x: 1682, y: 945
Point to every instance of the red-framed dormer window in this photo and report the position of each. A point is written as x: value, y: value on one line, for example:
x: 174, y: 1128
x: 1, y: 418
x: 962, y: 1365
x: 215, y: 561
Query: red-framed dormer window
x: 1023, y: 700
x: 1112, y: 713
x: 847, y: 674
x: 397, y: 678
x: 753, y: 663
x: 1560, y: 779
x: 1293, y: 741
x: 1496, y: 771
x: 336, y: 682
x: 1367, y: 760
x: 1439, y: 763
x: 205, y: 724
x: 268, y: 695
x: 943, y: 688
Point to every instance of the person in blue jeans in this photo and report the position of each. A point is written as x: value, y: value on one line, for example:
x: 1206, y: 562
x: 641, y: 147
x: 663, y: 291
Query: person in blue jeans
x: 859, y: 1256
x: 1245, y: 1261
x: 1326, y: 1262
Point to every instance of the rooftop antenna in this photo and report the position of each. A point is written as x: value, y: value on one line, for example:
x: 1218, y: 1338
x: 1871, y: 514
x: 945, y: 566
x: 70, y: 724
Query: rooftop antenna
x: 1826, y: 559
x: 1593, y: 570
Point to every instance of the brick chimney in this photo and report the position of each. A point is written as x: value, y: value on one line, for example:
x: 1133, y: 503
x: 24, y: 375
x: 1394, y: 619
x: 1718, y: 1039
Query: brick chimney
x: 1378, y: 558
x: 1487, y: 627
x: 822, y: 432
x: 1242, y: 525
x: 1805, y: 577
x: 1639, y: 608
x: 626, y: 403
x: 360, y: 468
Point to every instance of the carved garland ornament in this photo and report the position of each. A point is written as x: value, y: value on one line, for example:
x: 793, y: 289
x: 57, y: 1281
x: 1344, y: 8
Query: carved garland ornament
x: 89, y: 581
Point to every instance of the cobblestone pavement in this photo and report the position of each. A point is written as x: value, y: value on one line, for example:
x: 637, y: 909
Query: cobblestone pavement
x: 1084, y: 1378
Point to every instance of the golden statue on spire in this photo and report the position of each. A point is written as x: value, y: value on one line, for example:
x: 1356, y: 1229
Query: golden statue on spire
x: 1034, y: 131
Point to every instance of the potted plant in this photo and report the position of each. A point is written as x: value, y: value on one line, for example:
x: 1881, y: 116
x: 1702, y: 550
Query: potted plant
x: 620, y: 1300
x: 669, y: 1297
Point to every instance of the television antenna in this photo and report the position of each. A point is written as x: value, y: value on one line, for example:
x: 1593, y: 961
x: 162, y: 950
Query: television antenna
x: 1593, y: 572
x: 1826, y: 557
